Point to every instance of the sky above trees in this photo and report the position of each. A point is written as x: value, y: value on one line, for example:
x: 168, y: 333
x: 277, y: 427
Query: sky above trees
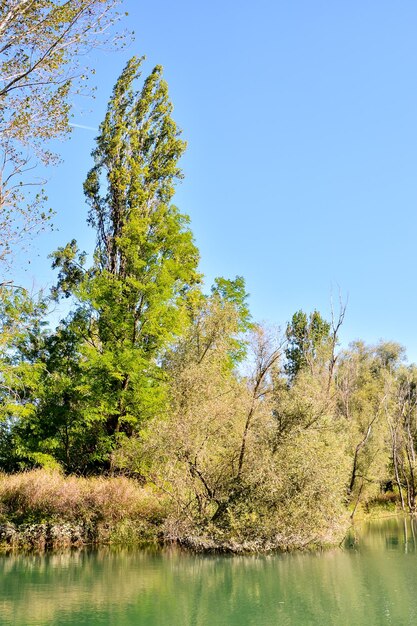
x: 301, y: 167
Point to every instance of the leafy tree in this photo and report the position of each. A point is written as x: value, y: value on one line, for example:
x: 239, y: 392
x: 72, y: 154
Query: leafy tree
x: 193, y: 450
x: 215, y: 453
x: 234, y: 292
x: 42, y: 44
x: 21, y: 325
x: 365, y: 387
x: 59, y: 427
x: 308, y: 337
x: 131, y: 302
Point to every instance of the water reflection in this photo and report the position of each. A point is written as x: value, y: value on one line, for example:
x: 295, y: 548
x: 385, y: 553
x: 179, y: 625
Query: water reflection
x: 369, y: 582
x: 393, y: 533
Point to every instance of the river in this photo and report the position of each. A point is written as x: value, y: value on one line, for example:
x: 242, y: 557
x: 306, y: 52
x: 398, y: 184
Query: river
x: 372, y: 581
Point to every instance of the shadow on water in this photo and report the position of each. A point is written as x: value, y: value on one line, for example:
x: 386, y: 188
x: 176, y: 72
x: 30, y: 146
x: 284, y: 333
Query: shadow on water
x: 371, y: 581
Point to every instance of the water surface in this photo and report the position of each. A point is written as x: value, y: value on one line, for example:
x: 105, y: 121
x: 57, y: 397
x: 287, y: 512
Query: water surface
x: 372, y: 581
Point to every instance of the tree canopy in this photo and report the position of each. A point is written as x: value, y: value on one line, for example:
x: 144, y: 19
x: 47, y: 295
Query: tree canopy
x: 132, y: 301
x: 245, y: 434
x: 42, y: 51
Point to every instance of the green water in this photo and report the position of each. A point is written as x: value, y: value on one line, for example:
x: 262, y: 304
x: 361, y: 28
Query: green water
x: 371, y: 581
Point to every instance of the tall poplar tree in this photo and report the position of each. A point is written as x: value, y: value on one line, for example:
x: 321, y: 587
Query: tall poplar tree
x: 132, y: 301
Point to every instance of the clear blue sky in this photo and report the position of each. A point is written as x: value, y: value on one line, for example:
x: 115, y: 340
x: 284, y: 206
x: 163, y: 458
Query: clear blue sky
x: 301, y: 168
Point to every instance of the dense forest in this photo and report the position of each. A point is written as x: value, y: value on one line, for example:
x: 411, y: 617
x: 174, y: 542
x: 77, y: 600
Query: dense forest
x: 235, y: 432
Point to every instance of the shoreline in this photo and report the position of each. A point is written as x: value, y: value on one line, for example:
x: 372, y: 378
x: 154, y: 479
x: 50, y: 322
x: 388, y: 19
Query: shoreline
x: 44, y: 512
x: 52, y: 536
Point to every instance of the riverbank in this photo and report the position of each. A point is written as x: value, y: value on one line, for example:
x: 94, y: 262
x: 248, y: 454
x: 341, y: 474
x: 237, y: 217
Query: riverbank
x: 46, y: 511
x: 63, y: 536
x: 42, y: 510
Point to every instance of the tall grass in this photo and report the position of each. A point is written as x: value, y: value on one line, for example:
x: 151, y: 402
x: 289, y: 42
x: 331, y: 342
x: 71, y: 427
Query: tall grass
x: 98, y: 508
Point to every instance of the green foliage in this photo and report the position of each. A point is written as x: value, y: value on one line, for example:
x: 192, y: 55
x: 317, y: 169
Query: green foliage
x: 251, y: 437
x: 366, y: 392
x: 21, y: 325
x: 60, y: 426
x: 132, y: 301
x: 307, y: 339
x: 232, y: 474
x: 233, y: 292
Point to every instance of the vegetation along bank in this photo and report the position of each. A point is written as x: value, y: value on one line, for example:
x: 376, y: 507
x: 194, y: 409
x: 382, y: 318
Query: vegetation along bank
x: 158, y: 409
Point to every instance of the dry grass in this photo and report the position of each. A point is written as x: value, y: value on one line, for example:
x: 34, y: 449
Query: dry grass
x: 40, y: 495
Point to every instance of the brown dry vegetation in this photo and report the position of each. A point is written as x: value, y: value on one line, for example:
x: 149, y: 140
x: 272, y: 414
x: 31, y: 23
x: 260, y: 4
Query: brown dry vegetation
x: 42, y: 509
